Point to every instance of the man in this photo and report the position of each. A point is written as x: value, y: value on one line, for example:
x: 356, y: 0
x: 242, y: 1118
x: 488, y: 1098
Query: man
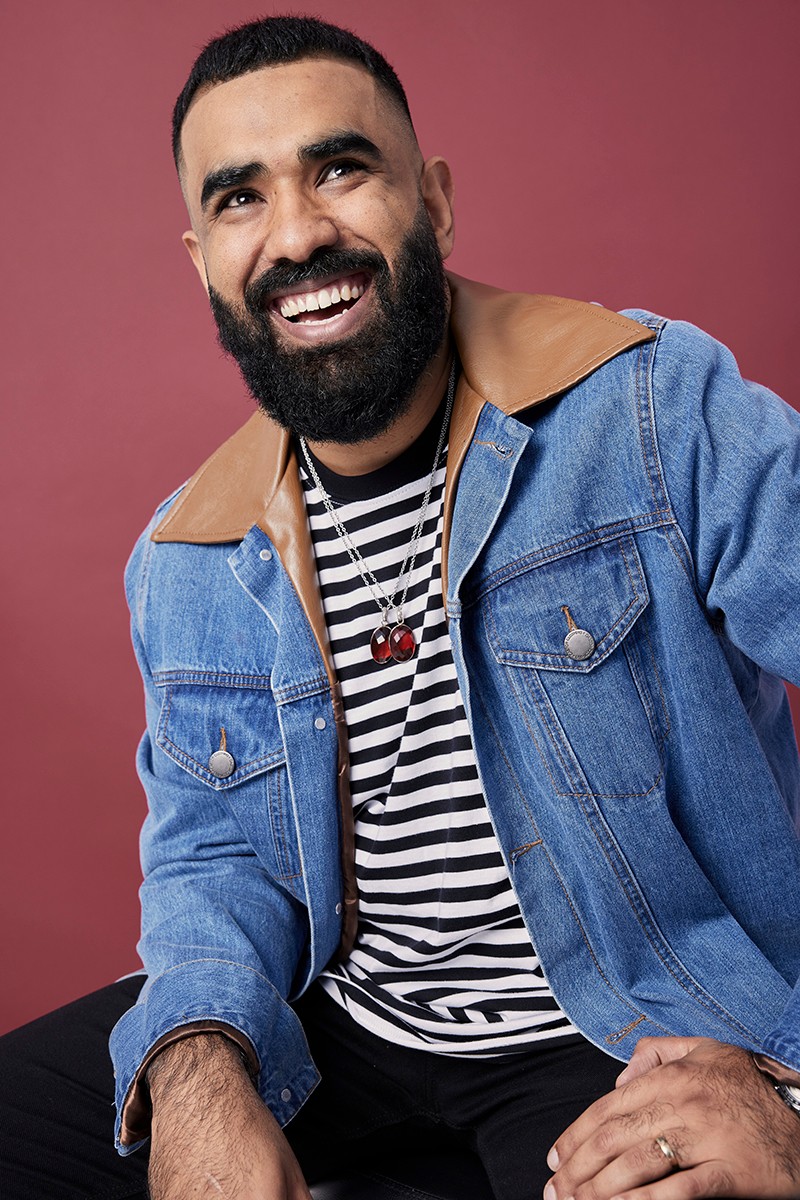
x: 466, y: 749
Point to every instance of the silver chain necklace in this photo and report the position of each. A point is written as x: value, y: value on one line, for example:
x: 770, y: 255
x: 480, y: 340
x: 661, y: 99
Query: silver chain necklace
x: 388, y: 642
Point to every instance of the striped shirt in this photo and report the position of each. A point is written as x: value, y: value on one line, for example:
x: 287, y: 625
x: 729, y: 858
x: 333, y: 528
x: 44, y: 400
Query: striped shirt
x: 442, y: 959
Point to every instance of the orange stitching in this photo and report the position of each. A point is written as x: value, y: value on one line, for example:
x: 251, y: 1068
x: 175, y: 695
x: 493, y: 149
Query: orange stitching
x: 613, y: 1038
x: 518, y: 851
x: 570, y: 622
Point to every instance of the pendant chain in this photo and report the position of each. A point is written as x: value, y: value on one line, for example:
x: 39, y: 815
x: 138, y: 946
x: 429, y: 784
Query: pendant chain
x: 385, y: 603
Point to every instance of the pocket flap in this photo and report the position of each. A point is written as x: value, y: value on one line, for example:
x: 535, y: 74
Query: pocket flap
x: 198, y: 706
x: 599, y: 589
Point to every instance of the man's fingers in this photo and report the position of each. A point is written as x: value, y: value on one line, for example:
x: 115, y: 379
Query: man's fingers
x: 649, y: 1054
x: 708, y: 1180
x: 644, y: 1162
x: 599, y: 1137
x: 702, y: 1124
x: 653, y: 1052
x: 616, y: 1119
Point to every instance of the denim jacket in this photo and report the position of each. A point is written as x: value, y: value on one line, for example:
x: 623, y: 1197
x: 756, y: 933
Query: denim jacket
x: 608, y: 473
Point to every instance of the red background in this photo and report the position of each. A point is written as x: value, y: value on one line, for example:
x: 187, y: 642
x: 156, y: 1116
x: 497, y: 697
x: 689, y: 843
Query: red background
x: 627, y: 152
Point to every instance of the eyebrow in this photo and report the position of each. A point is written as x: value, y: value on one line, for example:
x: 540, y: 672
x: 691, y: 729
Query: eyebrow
x: 229, y: 176
x: 345, y: 142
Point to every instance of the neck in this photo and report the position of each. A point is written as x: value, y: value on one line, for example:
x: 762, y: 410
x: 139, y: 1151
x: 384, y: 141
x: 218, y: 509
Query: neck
x: 371, y: 456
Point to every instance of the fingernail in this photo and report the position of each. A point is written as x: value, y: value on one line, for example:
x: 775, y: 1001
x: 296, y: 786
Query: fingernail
x: 552, y: 1161
x: 550, y: 1192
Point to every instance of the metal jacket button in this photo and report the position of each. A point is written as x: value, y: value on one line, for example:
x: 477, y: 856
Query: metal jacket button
x: 221, y: 764
x: 579, y: 644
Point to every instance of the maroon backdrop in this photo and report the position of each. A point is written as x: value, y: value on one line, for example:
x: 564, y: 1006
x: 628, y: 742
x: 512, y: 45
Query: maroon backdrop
x: 625, y: 152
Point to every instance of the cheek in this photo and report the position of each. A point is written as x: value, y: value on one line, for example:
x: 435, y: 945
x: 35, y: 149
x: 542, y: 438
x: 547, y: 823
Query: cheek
x: 233, y: 256
x: 381, y: 223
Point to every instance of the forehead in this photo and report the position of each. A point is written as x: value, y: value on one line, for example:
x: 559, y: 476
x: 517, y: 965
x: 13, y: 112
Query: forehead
x: 267, y: 114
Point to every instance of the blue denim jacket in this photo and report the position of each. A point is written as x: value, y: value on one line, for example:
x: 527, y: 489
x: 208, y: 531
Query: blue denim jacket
x: 645, y: 798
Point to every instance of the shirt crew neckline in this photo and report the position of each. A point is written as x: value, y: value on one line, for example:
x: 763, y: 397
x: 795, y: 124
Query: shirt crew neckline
x: 413, y: 464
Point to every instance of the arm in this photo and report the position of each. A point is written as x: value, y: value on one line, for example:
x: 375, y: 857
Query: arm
x: 211, y: 1134
x: 222, y: 938
x: 730, y: 461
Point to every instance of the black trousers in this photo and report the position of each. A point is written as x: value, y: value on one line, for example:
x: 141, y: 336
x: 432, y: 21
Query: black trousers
x: 56, y: 1110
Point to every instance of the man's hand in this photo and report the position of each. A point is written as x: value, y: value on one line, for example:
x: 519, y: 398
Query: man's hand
x: 730, y: 1133
x: 211, y: 1134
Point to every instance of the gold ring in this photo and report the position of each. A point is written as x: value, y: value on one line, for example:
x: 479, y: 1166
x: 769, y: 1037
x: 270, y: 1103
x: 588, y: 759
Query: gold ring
x: 668, y: 1152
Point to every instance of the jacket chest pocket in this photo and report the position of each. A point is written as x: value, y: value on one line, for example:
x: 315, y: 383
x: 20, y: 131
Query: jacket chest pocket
x: 571, y: 633
x: 223, y: 730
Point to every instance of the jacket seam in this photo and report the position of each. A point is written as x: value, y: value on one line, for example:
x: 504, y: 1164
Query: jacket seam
x: 648, y: 412
x: 178, y: 675
x: 572, y: 545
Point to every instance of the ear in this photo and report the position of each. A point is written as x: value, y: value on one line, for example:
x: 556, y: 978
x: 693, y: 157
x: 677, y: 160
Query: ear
x: 191, y: 243
x: 436, y: 184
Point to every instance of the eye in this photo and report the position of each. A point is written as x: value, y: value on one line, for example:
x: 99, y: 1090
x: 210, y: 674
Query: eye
x: 237, y: 200
x: 341, y: 170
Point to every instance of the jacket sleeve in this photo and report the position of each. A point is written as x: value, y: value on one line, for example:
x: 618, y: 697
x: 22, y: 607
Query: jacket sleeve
x: 208, y: 909
x: 730, y: 453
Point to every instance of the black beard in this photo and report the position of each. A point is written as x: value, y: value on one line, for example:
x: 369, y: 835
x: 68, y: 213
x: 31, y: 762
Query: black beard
x: 352, y: 390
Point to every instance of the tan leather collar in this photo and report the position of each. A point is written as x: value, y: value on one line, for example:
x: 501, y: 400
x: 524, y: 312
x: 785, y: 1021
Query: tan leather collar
x: 515, y: 351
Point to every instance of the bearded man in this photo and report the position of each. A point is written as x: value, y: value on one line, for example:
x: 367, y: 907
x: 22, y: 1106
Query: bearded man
x: 469, y: 766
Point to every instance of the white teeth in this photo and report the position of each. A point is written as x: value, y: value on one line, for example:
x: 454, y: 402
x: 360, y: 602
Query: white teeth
x: 292, y: 306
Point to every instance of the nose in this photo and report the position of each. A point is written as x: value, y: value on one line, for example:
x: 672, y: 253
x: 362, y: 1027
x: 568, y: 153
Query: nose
x: 300, y: 223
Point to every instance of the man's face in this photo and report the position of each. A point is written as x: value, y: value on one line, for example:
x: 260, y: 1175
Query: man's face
x: 319, y: 233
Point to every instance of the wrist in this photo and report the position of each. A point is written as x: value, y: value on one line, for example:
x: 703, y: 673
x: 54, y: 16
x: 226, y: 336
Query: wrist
x: 785, y: 1082
x: 199, y: 1061
x: 776, y: 1071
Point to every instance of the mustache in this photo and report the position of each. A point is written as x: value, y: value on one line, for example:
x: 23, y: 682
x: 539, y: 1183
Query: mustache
x: 321, y: 262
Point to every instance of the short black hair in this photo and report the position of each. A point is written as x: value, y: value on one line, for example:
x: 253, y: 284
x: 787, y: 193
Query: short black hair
x: 274, y: 40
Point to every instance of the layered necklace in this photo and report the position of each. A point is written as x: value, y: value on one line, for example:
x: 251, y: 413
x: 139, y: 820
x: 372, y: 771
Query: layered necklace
x: 392, y: 640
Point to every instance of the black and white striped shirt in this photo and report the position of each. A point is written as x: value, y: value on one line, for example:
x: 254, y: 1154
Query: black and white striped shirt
x: 442, y: 959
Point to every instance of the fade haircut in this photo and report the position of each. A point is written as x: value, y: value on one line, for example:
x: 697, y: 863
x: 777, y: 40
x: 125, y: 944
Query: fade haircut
x: 270, y: 42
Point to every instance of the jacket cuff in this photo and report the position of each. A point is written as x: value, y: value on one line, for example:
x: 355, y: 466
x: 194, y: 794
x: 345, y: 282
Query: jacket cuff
x: 199, y: 996
x: 783, y: 1044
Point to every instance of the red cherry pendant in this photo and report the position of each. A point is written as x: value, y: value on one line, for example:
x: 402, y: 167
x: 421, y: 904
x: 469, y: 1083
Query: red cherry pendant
x: 402, y: 643
x: 379, y: 644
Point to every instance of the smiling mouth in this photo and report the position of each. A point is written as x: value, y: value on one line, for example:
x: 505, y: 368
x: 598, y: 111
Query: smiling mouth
x: 315, y: 307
